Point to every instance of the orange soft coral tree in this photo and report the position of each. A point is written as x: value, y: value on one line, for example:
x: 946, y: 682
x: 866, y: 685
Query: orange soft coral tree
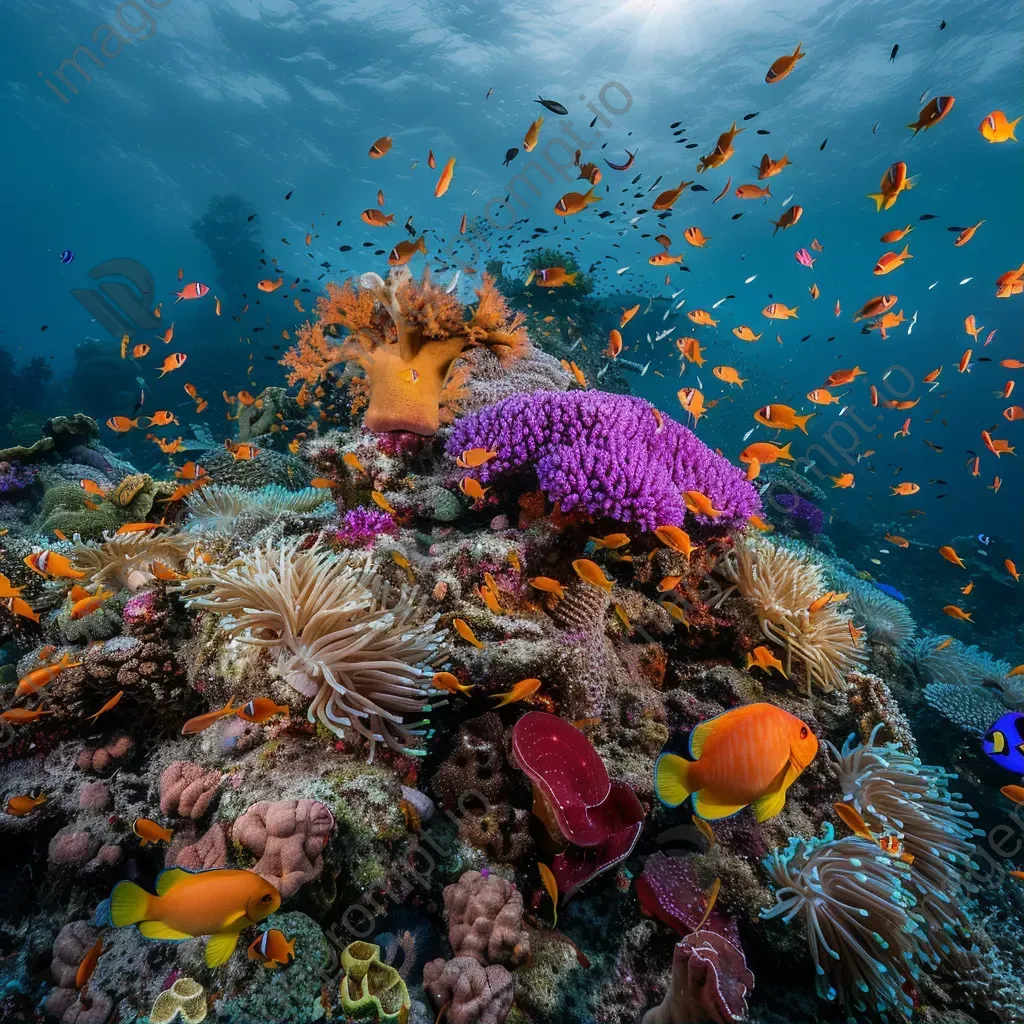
x: 406, y: 335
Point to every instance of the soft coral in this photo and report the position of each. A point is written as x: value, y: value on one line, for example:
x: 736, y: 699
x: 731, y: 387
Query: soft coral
x: 406, y: 335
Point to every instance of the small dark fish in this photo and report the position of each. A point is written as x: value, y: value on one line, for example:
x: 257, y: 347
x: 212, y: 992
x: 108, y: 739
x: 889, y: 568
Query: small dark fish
x: 682, y: 131
x: 489, y: 91
x: 636, y: 179
x: 67, y: 256
x: 691, y: 145
x: 955, y: 229
x: 553, y: 105
x: 44, y: 327
x: 605, y: 214
x: 750, y: 117
x: 675, y: 124
x: 409, y: 227
x: 345, y: 248
x: 875, y: 128
x: 736, y: 216
x: 942, y: 24
x: 592, y: 123
x: 823, y: 145
x: 763, y: 131
x: 892, y: 56
x: 983, y: 359
x: 806, y: 337
x: 251, y: 217
x: 697, y: 188
x: 289, y: 195
x: 928, y: 216
x: 510, y: 155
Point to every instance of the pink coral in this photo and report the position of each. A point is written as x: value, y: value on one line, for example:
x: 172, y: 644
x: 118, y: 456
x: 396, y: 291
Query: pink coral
x: 288, y: 837
x: 485, y: 920
x: 669, y: 890
x: 71, y: 846
x: 99, y: 759
x: 474, y: 994
x: 73, y: 941
x: 95, y: 796
x: 710, y: 983
x: 210, y: 851
x: 187, y: 789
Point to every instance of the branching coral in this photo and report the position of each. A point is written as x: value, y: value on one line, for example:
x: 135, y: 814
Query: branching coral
x: 782, y: 584
x: 606, y: 455
x: 972, y: 708
x: 865, y: 937
x: 360, y: 648
x: 406, y: 335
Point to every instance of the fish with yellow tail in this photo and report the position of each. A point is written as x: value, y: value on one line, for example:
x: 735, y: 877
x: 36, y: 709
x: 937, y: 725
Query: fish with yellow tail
x: 746, y: 757
x: 590, y: 572
x: 762, y: 658
x: 273, y: 948
x: 524, y: 689
x: 219, y: 903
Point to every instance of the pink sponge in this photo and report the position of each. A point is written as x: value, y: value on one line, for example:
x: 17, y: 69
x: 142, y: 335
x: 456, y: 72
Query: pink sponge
x: 485, y: 920
x: 288, y: 837
x: 187, y: 789
x: 474, y: 994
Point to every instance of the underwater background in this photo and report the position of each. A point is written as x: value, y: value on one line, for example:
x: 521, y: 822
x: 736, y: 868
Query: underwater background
x: 475, y: 613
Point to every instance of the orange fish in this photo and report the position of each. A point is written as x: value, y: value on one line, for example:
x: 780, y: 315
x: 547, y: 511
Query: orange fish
x: 404, y: 251
x: 753, y: 192
x: 666, y: 200
x: 748, y: 756
x: 675, y: 538
x: 40, y: 677
x: 956, y: 612
x: 722, y: 152
x: 996, y: 127
x: 590, y: 572
x: 150, y: 833
x: 967, y: 234
x: 628, y: 314
x: 890, y: 261
x: 1012, y: 570
x: 666, y: 259
x: 375, y: 218
x: 763, y: 658
x: 121, y: 424
x: 894, y: 236
x: 702, y: 318
x: 695, y: 237
x: 220, y: 902
x: 168, y: 335
x: 202, y: 722
x: 766, y: 453
x: 822, y: 396
x: 728, y: 374
x: 700, y: 504
x: 445, y: 180
x: 22, y: 716
x: 782, y: 417
x: 174, y: 361
x: 876, y: 306
x: 19, y: 806
x: 87, y: 605
x: 49, y: 563
x: 894, y: 181
x: 523, y: 689
x: 905, y: 488
x: 844, y: 480
x: 768, y: 168
x: 934, y: 111
x: 450, y: 683
x: 381, y: 502
x: 273, y: 947
x: 87, y: 966
x: 950, y: 555
x: 472, y: 489
x: 1013, y: 413
x: 779, y: 311
x: 575, y: 202
x: 267, y: 285
x: 614, y: 348
x: 788, y: 219
x: 140, y: 351
x: 744, y: 333
x: 260, y: 710
x: 692, y: 400
x: 467, y: 634
x: 690, y: 350
x: 548, y: 585
x: 900, y: 542
x: 784, y: 65
x: 972, y: 328
x: 840, y: 377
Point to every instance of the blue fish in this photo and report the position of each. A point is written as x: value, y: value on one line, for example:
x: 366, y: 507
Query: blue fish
x: 885, y: 588
x: 1004, y: 742
x: 67, y: 256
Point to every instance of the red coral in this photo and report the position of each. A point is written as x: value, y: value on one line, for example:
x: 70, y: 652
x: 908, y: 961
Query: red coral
x: 574, y: 797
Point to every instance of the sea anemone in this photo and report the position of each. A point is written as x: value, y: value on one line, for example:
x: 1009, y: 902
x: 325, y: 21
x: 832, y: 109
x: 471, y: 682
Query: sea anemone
x: 358, y: 647
x: 886, y: 620
x: 216, y: 508
x: 781, y: 584
x: 940, y: 659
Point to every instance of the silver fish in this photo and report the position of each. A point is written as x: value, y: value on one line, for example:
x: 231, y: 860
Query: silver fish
x: 913, y: 320
x: 787, y: 201
x: 621, y: 270
x: 932, y: 285
x: 663, y: 334
x: 748, y: 433
x: 718, y: 303
x: 678, y: 293
x: 753, y: 277
x: 966, y: 279
x: 844, y: 408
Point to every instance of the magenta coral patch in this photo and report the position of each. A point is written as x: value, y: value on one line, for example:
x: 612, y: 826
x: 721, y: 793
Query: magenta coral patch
x: 601, y: 819
x: 606, y: 455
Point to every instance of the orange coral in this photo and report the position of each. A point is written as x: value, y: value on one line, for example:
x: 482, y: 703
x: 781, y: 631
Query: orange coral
x: 406, y: 335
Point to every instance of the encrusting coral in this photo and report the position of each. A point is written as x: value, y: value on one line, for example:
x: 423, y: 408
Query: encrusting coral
x: 405, y: 334
x: 782, y: 585
x: 345, y: 638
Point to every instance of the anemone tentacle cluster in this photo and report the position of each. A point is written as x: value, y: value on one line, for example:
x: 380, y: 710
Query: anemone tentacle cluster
x: 344, y: 637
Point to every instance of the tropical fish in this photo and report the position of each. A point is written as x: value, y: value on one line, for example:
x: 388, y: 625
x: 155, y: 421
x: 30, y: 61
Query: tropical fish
x: 728, y: 374
x: 574, y: 202
x: 40, y: 677
x: 532, y: 135
x: 784, y: 65
x: 611, y: 541
x: 666, y: 200
x: 175, y: 361
x: 905, y: 488
x: 450, y: 683
x: 23, y: 716
x: 196, y: 290
x: 273, y: 947
x: 555, y: 277
x: 381, y: 147
x: 753, y: 192
x: 822, y: 396
x: 779, y: 311
x: 467, y: 634
x: 523, y: 689
x: 220, y: 903
x: 956, y: 612
x: 763, y: 658
x: 1004, y: 742
x: 842, y: 481
x: 748, y: 756
x: 590, y: 572
x: 722, y: 152
x: 20, y: 806
x: 996, y: 128
x: 150, y: 833
x: 894, y: 181
x: 934, y: 111
x: 768, y: 168
x: 547, y: 877
x: 675, y: 538
x: 381, y: 502
x: 261, y: 709
x: 268, y: 285
x: 890, y: 261
x: 107, y: 706
x: 202, y: 722
x: 404, y: 251
x: 744, y: 333
x: 445, y: 180
x: 702, y: 318
x: 782, y: 417
x: 788, y: 219
x: 548, y: 585
x: 950, y: 555
x: 766, y: 453
x: 894, y: 236
x: 700, y: 504
x: 49, y: 563
x: 967, y: 234
x: 695, y: 237
x: 876, y: 306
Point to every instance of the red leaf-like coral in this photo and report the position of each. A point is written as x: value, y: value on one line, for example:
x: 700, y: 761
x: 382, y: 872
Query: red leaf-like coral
x: 600, y: 819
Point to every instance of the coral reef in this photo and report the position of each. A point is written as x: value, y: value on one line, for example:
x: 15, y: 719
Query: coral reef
x: 485, y: 920
x: 472, y: 993
x: 606, y: 455
x: 955, y: 663
x: 369, y: 987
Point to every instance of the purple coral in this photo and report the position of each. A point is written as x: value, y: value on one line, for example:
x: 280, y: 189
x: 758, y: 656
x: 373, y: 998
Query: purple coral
x: 15, y: 477
x: 606, y: 455
x: 361, y: 526
x: 801, y: 510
